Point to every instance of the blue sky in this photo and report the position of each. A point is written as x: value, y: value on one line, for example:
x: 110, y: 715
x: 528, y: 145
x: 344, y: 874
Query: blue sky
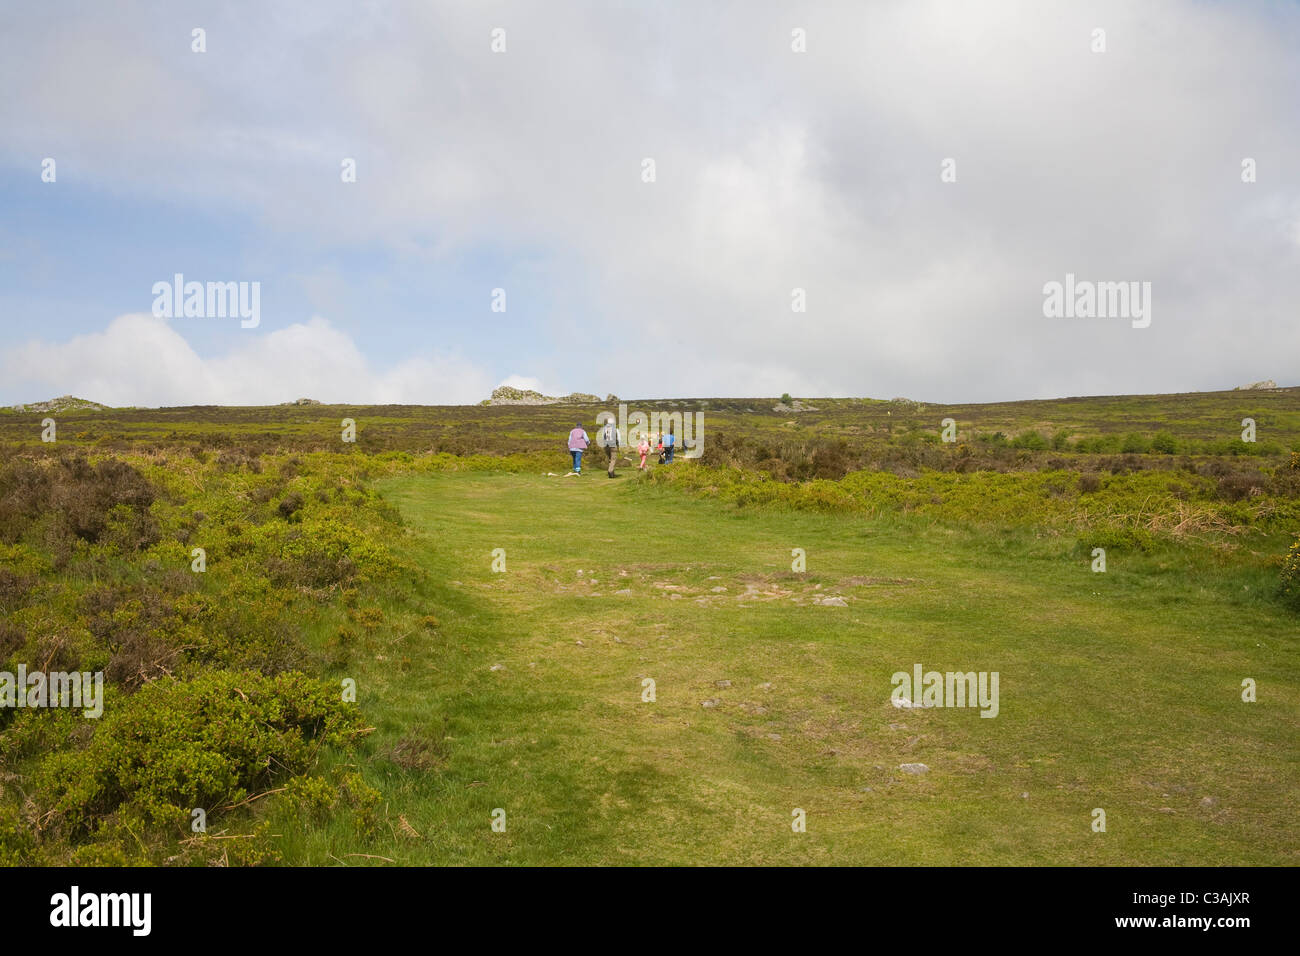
x: 86, y: 251
x: 776, y: 169
x: 78, y: 253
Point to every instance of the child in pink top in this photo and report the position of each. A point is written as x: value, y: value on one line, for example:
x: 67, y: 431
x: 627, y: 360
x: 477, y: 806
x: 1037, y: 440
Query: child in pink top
x: 643, y: 449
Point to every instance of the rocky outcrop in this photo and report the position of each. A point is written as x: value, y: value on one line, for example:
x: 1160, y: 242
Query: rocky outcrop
x: 508, y: 395
x: 796, y: 405
x: 64, y: 403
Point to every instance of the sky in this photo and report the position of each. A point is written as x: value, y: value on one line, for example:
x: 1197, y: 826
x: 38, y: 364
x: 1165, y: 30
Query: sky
x: 920, y: 171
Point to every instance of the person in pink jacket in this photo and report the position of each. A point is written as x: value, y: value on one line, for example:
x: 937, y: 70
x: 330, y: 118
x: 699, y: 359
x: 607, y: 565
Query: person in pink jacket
x: 643, y: 449
x: 578, y: 442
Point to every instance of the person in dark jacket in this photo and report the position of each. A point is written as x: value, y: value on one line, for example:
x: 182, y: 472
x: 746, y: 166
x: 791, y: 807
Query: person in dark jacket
x: 610, y: 440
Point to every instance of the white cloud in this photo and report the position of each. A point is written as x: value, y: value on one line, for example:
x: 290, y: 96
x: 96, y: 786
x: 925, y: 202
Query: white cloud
x: 775, y: 170
x: 145, y: 361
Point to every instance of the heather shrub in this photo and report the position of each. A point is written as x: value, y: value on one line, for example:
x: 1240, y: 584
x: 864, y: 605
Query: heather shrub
x: 1238, y: 485
x: 77, y: 499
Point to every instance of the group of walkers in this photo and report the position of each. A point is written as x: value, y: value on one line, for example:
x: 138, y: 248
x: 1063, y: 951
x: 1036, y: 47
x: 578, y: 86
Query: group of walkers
x: 608, y: 438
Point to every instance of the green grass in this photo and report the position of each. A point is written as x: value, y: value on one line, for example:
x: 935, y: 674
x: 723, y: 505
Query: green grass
x: 1119, y: 690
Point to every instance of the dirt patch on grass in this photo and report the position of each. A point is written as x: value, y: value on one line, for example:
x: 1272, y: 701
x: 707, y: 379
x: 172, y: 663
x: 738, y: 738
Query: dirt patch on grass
x: 862, y: 581
x: 418, y: 752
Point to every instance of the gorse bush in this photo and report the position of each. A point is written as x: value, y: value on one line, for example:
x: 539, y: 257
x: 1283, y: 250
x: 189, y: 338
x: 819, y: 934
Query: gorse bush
x: 1135, y: 444
x: 1291, y: 572
x: 207, y: 743
x: 1134, y: 507
x: 323, y: 552
x: 1032, y: 441
x: 1164, y: 444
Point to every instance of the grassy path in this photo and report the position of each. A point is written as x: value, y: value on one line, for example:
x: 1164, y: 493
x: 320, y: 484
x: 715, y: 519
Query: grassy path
x: 1118, y: 690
